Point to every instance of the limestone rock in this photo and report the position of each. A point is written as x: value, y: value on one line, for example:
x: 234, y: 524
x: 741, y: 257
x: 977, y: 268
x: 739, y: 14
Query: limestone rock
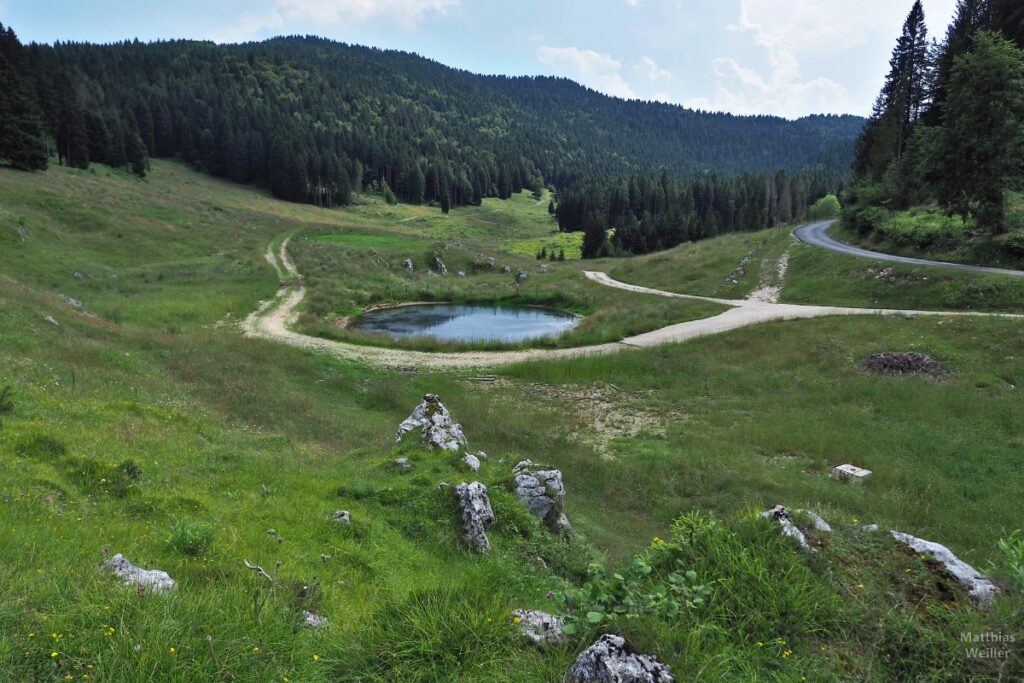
x: 869, y: 528
x: 314, y: 620
x: 407, y: 263
x: 440, y: 266
x: 506, y: 269
x: 611, y: 660
x: 980, y: 588
x: 477, y: 515
x: 462, y: 273
x: 153, y: 579
x: 342, y: 517
x: 403, y: 465
x: 816, y: 521
x: 74, y: 303
x: 543, y: 494
x: 50, y: 319
x: 780, y: 514
x: 471, y: 461
x: 435, y: 422
x: 540, y: 627
x: 521, y: 276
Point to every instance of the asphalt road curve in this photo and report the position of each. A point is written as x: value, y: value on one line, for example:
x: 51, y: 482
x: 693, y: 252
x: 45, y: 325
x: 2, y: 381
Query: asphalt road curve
x: 817, y: 234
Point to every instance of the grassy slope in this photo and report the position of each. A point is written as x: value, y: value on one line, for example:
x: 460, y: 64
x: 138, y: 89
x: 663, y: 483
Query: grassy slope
x: 247, y: 436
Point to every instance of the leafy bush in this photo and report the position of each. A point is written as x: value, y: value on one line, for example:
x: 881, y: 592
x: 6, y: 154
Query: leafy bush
x: 190, y: 538
x: 639, y: 591
x: 824, y: 208
x: 1015, y: 244
x: 924, y: 230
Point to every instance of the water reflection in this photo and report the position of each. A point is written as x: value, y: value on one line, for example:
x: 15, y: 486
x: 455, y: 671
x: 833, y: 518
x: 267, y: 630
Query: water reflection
x: 449, y: 322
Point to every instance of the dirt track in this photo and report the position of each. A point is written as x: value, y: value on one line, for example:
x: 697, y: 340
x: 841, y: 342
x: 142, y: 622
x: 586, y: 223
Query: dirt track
x: 273, y: 318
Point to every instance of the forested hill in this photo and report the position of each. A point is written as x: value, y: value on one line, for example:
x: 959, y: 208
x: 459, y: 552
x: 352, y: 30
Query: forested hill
x: 312, y: 120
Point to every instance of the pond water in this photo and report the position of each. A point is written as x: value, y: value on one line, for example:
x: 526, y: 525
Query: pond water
x: 467, y: 323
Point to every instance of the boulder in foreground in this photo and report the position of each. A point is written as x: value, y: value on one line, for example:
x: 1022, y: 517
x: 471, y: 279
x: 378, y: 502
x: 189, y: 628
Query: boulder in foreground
x: 477, y: 515
x: 154, y: 580
x: 611, y: 660
x: 435, y: 422
x: 979, y: 587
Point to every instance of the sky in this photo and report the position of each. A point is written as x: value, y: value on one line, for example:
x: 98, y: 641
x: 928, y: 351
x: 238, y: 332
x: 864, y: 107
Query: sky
x: 783, y: 57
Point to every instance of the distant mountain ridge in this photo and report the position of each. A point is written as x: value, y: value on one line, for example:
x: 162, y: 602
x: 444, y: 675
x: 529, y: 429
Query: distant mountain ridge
x: 312, y: 120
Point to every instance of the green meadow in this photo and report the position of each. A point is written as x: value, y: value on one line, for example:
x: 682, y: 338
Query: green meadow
x: 145, y: 423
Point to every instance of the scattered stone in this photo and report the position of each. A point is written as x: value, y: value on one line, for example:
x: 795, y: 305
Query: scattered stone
x: 443, y: 486
x: 540, y: 627
x: 477, y: 515
x: 315, y: 621
x: 481, y: 454
x: 74, y: 303
x: 870, y: 528
x: 979, y: 587
x: 850, y: 472
x: 543, y: 494
x: 816, y: 521
x: 462, y: 273
x: 611, y: 660
x: 342, y: 517
x: 543, y: 268
x: 906, y: 364
x: 153, y: 579
x: 506, y: 269
x: 50, y: 319
x: 440, y: 266
x: 408, y: 264
x: 78, y: 276
x: 435, y: 422
x: 781, y: 514
x: 521, y: 276
x: 471, y: 461
x: 403, y: 465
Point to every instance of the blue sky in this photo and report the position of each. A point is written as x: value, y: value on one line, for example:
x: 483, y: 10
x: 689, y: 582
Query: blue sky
x: 784, y: 57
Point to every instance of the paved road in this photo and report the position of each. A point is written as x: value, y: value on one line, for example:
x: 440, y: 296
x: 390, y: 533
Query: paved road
x: 817, y: 235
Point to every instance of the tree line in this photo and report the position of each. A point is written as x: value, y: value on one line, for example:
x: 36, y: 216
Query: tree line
x: 644, y: 213
x: 948, y: 125
x: 314, y: 121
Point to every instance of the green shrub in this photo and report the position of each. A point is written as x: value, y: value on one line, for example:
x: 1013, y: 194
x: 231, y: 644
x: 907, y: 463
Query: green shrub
x: 825, y: 208
x: 1015, y: 244
x: 1012, y: 548
x: 190, y: 538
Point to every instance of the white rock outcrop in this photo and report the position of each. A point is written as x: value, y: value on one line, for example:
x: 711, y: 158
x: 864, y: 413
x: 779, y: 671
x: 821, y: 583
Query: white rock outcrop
x: 543, y: 494
x: 477, y: 515
x: 435, y: 422
x: 542, y: 628
x: 978, y: 585
x: 611, y: 660
x: 154, y: 580
x: 472, y: 462
x: 782, y: 515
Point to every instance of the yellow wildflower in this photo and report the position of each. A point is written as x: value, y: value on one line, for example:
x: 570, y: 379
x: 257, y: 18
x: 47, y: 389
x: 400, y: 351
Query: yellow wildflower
x: 54, y: 653
x: 316, y: 658
x: 171, y: 650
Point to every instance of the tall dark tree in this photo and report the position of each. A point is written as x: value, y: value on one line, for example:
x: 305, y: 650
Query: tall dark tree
x: 902, y: 101
x: 22, y: 133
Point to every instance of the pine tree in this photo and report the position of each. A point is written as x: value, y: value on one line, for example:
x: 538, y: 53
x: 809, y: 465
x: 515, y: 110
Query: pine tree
x: 900, y: 104
x: 22, y: 141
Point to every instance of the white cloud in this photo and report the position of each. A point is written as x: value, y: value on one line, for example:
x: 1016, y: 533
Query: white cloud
x: 780, y: 87
x: 286, y: 13
x: 649, y: 68
x: 405, y: 12
x: 596, y: 70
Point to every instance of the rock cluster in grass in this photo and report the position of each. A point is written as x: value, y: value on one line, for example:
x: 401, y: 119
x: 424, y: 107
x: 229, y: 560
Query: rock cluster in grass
x: 543, y: 494
x: 979, y: 587
x: 782, y: 515
x: 542, y: 628
x: 314, y: 620
x: 905, y: 364
x: 435, y: 422
x: 477, y: 515
x: 342, y: 517
x: 154, y: 580
x: 611, y: 660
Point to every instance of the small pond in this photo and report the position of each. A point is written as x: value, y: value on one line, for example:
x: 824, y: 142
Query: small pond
x: 467, y: 323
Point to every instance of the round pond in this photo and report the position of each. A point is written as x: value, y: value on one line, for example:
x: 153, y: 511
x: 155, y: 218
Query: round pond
x: 467, y: 323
